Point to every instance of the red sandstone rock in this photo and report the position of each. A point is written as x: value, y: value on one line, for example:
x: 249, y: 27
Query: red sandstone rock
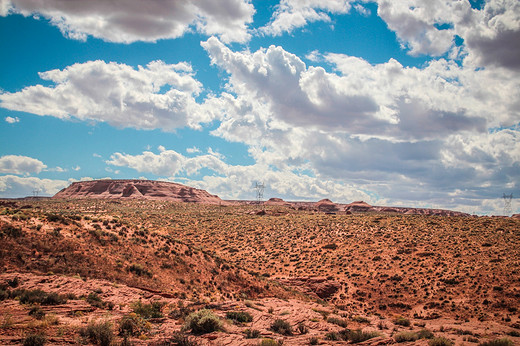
x: 137, y: 189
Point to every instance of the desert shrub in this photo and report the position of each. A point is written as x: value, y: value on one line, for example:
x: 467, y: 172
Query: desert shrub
x: 252, y: 333
x: 313, y: 340
x: 406, y: 336
x: 132, y: 325
x: 333, y: 336
x: 99, y: 333
x: 179, y: 339
x: 14, y: 282
x: 302, y: 328
x: 402, y: 321
x: 425, y: 334
x: 180, y: 312
x: 95, y: 300
x: 11, y: 231
x: 3, y: 294
x: 139, y: 270
x: 338, y: 321
x: 37, y: 312
x: 497, y: 342
x: 269, y: 342
x: 34, y: 340
x: 239, y: 316
x: 37, y: 296
x: 281, y: 327
x: 358, y: 335
x: 330, y: 246
x: 148, y: 311
x: 440, y: 341
x: 202, y: 321
x: 360, y: 319
x: 57, y: 218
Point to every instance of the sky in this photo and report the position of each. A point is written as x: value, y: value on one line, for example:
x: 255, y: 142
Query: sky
x: 400, y: 103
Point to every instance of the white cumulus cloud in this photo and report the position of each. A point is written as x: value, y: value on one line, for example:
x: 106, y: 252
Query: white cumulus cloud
x: 16, y: 164
x: 128, y: 21
x: 12, y: 120
x: 119, y: 95
x: 12, y: 186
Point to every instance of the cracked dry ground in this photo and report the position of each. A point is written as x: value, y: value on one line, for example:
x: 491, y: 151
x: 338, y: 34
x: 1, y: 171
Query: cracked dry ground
x: 394, y: 275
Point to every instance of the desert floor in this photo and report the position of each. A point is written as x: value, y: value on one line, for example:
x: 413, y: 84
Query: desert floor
x: 136, y: 272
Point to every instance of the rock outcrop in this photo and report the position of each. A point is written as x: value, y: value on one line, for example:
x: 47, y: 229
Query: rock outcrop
x: 322, y: 287
x: 138, y: 189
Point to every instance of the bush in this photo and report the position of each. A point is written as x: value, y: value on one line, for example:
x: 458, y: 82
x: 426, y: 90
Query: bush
x: 11, y: 231
x: 132, y: 325
x: 406, y: 336
x: 148, y: 311
x: 34, y: 340
x: 358, y: 335
x: 338, y: 321
x: 302, y: 328
x: 180, y: 339
x: 440, y: 341
x: 202, y: 321
x: 333, y: 336
x: 37, y: 313
x: 252, y: 333
x: 425, y: 334
x: 497, y: 342
x: 239, y: 316
x: 139, y: 270
x: 99, y: 333
x: 402, y: 321
x: 269, y: 342
x: 313, y: 341
x: 281, y: 327
x: 38, y: 296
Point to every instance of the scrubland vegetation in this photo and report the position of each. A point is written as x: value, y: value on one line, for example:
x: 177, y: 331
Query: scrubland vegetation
x: 149, y: 272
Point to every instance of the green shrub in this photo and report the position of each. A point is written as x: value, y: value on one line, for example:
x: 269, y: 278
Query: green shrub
x: 11, y: 231
x: 139, y: 270
x: 358, y: 335
x: 269, y: 342
x: 440, y: 341
x: 99, y: 333
x: 281, y: 327
x: 402, y: 321
x: 34, y: 340
x: 202, y: 321
x: 425, y: 334
x: 37, y: 296
x: 132, y: 325
x: 252, y: 333
x: 148, y: 311
x: 37, y: 312
x: 406, y: 336
x: 239, y: 316
x: 333, y: 336
x: 338, y: 321
x: 497, y: 342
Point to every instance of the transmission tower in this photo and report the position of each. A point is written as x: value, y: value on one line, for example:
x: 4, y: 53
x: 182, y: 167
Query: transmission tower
x: 259, y: 192
x: 507, y: 204
x: 36, y: 192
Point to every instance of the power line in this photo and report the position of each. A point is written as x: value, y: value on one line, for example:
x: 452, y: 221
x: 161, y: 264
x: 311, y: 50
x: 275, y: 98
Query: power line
x: 259, y: 192
x: 507, y: 204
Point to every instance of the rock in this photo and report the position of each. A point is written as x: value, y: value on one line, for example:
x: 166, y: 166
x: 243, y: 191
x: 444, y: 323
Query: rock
x: 137, y: 189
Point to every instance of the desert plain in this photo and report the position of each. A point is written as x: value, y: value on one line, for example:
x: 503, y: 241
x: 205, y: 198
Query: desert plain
x: 115, y: 271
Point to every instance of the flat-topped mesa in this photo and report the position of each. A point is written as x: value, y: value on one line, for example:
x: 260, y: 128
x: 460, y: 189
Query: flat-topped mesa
x: 137, y: 189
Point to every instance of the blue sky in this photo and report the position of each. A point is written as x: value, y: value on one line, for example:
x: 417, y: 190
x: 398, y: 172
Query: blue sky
x: 413, y: 103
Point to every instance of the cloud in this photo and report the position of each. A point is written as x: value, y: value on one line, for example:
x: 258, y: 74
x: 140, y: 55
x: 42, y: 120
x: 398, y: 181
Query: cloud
x: 386, y: 129
x: 128, y: 21
x: 12, y: 120
x: 158, y: 96
x: 292, y: 14
x: 16, y: 164
x: 12, y: 186
x: 385, y: 100
x: 234, y: 181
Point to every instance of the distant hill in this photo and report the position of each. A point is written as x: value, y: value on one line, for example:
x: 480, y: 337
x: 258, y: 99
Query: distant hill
x: 137, y: 189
